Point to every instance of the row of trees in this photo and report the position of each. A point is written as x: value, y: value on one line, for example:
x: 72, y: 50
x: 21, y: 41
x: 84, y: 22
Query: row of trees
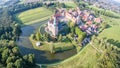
x: 75, y: 30
x: 84, y: 5
x: 10, y: 56
x: 110, y: 56
x: 40, y: 37
x: 22, y: 7
x: 104, y: 12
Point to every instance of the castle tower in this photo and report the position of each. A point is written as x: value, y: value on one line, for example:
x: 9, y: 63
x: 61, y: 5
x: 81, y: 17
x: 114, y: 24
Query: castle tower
x: 55, y: 27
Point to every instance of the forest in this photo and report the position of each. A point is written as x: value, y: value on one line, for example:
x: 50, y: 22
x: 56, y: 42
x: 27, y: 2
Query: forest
x: 10, y: 56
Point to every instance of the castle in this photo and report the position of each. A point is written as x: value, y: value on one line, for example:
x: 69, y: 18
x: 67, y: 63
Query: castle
x: 76, y: 16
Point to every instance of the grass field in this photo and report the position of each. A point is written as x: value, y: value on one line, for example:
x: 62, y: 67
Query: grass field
x: 112, y: 33
x: 70, y: 5
x: 33, y: 15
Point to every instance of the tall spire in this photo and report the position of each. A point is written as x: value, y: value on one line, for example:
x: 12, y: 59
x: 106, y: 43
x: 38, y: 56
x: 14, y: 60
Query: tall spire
x: 54, y: 22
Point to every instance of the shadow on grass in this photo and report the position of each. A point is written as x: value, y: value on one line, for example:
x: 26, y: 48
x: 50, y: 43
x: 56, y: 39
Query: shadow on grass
x: 107, y: 26
x: 39, y: 55
x: 114, y: 42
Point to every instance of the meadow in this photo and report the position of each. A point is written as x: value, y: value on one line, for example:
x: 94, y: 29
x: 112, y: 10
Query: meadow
x: 33, y: 16
x: 112, y: 32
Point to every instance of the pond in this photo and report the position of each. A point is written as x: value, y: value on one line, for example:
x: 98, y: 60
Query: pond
x: 41, y: 57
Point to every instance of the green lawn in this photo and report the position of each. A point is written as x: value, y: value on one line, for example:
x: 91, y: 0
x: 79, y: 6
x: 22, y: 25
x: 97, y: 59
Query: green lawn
x: 33, y: 15
x: 112, y: 33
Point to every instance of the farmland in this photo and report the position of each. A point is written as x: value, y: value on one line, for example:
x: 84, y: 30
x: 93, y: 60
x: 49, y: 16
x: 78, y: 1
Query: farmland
x: 33, y: 16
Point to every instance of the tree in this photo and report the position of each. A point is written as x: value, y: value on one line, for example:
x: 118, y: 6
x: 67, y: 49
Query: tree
x: 31, y: 58
x: 71, y: 24
x: 78, y: 31
x: 60, y: 38
x: 70, y: 37
x: 17, y: 30
x: 33, y: 36
x: 81, y: 35
x: 46, y: 37
x: 9, y: 59
x: 12, y: 44
x: 52, y: 49
x: 38, y: 36
x: 19, y: 63
x: 10, y: 65
x: 15, y: 50
x: 62, y: 5
x: 72, y: 29
x: 5, y: 55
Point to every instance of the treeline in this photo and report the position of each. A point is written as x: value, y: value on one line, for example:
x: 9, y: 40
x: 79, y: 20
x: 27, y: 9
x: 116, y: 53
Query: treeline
x: 22, y: 7
x: 10, y: 56
x: 55, y: 5
x: 104, y: 12
x: 83, y: 5
x: 9, y: 30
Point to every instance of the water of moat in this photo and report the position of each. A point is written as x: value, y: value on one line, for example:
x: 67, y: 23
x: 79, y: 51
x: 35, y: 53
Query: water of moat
x: 41, y: 57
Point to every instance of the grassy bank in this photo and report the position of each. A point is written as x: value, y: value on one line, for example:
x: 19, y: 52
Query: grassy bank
x: 45, y: 46
x: 33, y: 15
x: 91, y: 57
x: 84, y: 59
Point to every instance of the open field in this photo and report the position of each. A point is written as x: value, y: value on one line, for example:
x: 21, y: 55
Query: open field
x: 33, y: 15
x: 70, y: 5
x: 112, y: 33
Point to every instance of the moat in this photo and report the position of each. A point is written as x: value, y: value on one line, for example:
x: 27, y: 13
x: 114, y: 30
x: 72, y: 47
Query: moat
x: 41, y: 57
